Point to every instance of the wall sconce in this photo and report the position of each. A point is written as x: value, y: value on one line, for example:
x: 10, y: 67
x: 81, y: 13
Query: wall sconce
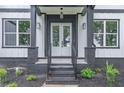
x: 38, y: 25
x: 84, y: 26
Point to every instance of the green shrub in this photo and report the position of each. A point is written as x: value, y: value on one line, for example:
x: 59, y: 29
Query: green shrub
x: 87, y: 73
x: 111, y: 74
x: 3, y: 74
x: 98, y: 70
x: 31, y: 78
x: 14, y: 84
x: 19, y: 72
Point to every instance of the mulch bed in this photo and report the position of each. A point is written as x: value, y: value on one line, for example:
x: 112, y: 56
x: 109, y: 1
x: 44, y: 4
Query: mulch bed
x: 21, y: 80
x: 100, y: 80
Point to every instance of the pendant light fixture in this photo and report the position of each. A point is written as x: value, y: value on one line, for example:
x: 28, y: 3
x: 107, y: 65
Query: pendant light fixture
x: 61, y: 13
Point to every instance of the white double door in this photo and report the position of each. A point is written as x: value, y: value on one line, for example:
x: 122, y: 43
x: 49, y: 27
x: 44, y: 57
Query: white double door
x: 61, y: 39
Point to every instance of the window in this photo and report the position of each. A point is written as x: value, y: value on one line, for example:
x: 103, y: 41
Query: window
x: 16, y: 33
x: 105, y: 33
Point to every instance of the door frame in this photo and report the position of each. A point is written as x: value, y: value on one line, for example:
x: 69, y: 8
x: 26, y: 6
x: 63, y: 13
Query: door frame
x: 56, y: 19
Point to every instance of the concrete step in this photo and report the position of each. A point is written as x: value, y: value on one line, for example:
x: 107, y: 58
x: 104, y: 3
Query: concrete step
x: 61, y: 69
x: 62, y: 75
x: 60, y: 85
x: 61, y: 60
x: 61, y: 72
x: 61, y: 66
x: 66, y: 82
x: 61, y: 78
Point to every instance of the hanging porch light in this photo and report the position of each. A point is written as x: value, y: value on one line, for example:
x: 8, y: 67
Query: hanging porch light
x: 61, y: 14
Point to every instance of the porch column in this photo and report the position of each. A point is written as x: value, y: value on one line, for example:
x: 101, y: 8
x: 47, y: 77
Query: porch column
x: 90, y: 50
x: 33, y: 50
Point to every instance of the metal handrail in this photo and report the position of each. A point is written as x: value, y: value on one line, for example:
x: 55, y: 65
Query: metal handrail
x: 49, y: 60
x: 93, y: 45
x: 74, y: 61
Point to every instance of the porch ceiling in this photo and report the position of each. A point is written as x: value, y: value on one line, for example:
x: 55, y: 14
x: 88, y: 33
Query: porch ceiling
x: 66, y: 10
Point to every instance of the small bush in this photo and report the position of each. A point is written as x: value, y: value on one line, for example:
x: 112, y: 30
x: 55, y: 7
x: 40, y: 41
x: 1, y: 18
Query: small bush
x: 111, y: 74
x: 31, y: 78
x: 98, y: 70
x: 19, y: 72
x: 3, y: 74
x: 14, y: 84
x: 87, y: 73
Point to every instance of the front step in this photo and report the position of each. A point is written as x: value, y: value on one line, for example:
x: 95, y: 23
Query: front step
x: 65, y: 82
x: 62, y: 79
x: 61, y: 69
x: 61, y: 65
x: 61, y: 61
x: 62, y: 74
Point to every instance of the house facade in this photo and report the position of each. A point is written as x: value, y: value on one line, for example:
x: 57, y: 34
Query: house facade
x: 90, y: 32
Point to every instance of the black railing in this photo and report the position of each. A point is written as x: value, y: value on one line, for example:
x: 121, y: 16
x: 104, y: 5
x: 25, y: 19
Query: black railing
x: 74, y: 60
x: 93, y: 45
x: 49, y: 61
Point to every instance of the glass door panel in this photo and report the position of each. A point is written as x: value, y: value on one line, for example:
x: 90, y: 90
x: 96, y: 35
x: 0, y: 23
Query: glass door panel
x: 55, y: 35
x: 66, y: 36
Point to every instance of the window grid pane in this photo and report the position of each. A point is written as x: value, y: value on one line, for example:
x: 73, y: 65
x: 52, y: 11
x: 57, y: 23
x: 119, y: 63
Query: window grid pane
x: 111, y: 26
x: 98, y: 26
x: 10, y: 26
x: 24, y: 39
x: 24, y: 26
x: 98, y: 40
x: 111, y: 40
x: 10, y: 39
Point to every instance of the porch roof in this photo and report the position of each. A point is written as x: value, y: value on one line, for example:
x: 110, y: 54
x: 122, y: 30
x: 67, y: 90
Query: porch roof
x: 67, y: 9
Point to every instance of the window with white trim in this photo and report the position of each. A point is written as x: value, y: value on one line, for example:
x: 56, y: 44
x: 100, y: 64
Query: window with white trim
x: 105, y: 33
x: 16, y: 33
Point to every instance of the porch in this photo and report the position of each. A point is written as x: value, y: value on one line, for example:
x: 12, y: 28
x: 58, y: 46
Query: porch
x: 60, y: 20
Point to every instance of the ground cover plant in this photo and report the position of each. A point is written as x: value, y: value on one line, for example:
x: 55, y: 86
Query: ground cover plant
x: 31, y: 78
x: 111, y: 74
x: 3, y: 74
x: 87, y: 73
x: 19, y: 72
x: 14, y: 84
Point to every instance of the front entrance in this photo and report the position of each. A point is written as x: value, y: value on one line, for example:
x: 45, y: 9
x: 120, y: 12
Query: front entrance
x: 61, y: 39
x: 61, y: 36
